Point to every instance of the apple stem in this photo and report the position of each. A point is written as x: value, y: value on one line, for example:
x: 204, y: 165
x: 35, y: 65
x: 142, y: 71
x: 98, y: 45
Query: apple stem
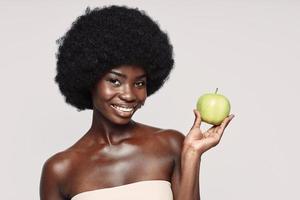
x: 216, y: 91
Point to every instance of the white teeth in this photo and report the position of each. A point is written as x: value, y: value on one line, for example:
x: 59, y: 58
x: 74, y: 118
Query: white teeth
x: 123, y: 109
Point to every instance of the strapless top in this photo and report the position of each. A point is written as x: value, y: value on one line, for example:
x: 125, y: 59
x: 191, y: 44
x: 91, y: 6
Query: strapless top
x: 145, y: 190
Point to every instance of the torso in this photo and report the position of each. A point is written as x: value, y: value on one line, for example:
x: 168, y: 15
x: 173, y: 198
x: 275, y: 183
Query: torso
x: 91, y: 166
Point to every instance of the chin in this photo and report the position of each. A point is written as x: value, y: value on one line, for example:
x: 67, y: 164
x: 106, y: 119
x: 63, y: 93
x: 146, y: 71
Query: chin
x: 118, y: 119
x: 121, y: 121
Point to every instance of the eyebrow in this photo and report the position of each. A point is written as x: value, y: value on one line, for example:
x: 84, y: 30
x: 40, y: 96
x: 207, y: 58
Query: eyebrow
x: 124, y: 76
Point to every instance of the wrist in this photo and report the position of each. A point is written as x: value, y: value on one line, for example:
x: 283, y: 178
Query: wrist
x: 189, y: 151
x: 190, y: 159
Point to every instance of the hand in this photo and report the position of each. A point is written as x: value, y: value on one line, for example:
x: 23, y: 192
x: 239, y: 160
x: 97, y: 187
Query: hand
x: 199, y: 142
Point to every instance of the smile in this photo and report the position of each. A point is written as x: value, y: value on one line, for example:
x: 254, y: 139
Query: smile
x: 123, y: 108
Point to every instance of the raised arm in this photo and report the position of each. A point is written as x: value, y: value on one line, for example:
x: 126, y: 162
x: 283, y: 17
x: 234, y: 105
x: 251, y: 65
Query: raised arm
x: 185, y: 177
x: 187, y: 168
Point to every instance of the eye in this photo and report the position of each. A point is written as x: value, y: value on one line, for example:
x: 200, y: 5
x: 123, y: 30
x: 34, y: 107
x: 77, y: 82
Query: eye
x: 114, y: 82
x: 140, y: 84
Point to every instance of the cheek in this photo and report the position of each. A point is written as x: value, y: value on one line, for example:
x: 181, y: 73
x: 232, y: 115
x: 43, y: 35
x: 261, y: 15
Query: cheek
x: 142, y: 95
x: 104, y: 92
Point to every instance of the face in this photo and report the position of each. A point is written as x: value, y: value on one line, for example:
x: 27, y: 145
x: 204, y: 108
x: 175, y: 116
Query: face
x: 120, y: 92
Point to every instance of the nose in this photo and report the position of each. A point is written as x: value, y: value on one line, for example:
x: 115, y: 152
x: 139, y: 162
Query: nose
x: 128, y: 94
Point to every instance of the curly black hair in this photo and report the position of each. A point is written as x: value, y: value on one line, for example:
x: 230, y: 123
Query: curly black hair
x: 107, y: 37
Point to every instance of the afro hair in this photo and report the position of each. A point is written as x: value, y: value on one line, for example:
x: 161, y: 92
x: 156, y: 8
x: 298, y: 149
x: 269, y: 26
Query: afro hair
x: 107, y: 37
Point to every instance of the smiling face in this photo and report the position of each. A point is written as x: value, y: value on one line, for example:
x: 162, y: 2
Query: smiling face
x: 120, y: 92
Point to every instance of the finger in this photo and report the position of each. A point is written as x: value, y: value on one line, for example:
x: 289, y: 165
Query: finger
x: 224, y: 124
x: 197, y: 122
x: 226, y: 121
x: 211, y: 130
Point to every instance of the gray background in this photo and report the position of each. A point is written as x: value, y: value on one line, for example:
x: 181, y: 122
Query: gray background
x: 248, y: 49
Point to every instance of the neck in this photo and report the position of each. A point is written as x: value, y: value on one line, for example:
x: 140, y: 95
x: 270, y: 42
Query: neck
x: 107, y: 132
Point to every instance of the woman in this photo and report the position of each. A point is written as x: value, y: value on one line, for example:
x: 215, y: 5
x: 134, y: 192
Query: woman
x: 110, y: 61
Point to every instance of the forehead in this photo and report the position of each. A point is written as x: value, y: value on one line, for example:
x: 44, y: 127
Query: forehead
x: 129, y: 70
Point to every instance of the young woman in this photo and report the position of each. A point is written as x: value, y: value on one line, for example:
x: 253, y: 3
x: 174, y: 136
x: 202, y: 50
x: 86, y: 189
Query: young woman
x: 110, y: 61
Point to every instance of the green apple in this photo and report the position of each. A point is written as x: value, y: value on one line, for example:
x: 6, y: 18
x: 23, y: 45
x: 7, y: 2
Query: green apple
x: 213, y: 108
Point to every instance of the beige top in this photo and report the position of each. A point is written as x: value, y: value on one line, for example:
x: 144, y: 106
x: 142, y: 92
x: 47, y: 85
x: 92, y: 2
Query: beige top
x: 145, y: 190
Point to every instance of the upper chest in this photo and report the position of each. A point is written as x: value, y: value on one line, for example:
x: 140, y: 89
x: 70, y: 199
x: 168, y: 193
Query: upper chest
x: 131, y: 161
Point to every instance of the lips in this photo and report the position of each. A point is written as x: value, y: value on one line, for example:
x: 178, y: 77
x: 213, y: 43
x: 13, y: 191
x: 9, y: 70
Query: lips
x: 126, y: 110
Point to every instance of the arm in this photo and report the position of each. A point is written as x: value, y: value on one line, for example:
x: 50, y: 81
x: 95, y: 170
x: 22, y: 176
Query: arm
x: 190, y: 168
x: 51, y: 178
x: 185, y: 177
x: 187, y: 167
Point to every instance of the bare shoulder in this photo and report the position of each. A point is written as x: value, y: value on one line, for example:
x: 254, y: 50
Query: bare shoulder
x: 173, y: 139
x: 59, y: 163
x: 55, y: 172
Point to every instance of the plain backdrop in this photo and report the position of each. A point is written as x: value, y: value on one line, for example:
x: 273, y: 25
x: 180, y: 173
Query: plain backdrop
x: 248, y: 49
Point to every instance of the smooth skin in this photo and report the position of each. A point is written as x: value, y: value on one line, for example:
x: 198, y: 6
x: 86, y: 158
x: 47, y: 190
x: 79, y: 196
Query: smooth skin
x: 117, y: 150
